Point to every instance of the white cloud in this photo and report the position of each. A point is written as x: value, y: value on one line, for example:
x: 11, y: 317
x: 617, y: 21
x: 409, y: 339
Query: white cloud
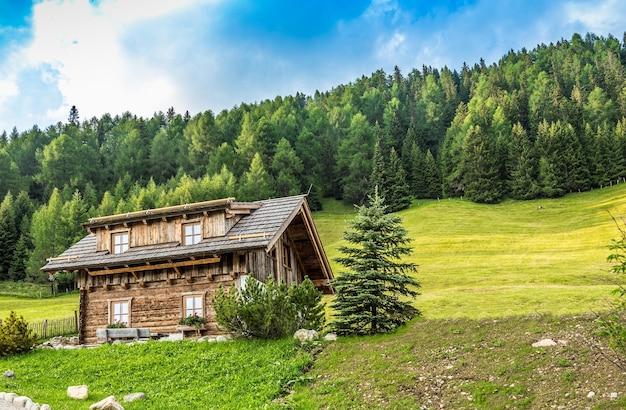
x: 599, y: 17
x: 83, y: 48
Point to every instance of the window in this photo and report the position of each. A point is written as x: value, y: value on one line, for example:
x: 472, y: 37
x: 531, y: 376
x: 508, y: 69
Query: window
x: 120, y: 242
x: 193, y: 305
x: 191, y: 233
x: 287, y: 256
x: 119, y: 312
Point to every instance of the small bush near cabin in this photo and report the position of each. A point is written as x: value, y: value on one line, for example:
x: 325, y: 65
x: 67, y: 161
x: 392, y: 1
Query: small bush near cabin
x: 270, y: 310
x: 15, y: 336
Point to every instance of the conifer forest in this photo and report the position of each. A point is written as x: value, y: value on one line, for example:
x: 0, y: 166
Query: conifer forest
x: 540, y: 122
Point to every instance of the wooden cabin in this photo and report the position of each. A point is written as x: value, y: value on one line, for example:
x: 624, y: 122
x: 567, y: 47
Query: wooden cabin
x: 150, y: 269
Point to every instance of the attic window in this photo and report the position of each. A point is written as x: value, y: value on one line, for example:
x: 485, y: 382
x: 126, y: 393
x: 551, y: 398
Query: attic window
x: 119, y: 242
x: 192, y: 233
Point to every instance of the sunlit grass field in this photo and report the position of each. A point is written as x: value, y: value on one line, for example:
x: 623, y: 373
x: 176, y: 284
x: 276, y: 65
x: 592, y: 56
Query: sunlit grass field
x: 513, y: 258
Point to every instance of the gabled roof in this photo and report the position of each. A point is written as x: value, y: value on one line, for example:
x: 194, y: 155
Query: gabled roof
x: 258, y: 230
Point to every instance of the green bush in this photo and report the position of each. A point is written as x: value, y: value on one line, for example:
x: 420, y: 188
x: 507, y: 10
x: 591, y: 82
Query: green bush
x: 612, y: 323
x: 15, y: 336
x: 270, y: 310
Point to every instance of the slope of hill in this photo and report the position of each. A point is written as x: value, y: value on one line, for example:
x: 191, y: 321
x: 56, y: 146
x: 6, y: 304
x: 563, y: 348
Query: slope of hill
x: 514, y: 258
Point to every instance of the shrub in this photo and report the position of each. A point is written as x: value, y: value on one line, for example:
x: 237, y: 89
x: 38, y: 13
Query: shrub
x: 15, y: 336
x: 612, y: 324
x: 270, y: 310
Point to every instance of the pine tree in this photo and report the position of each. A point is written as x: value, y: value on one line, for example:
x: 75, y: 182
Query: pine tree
x: 432, y: 177
x: 481, y: 169
x: 371, y: 298
x: 524, y: 169
x: 399, y: 196
x: 256, y: 183
x: 8, y: 235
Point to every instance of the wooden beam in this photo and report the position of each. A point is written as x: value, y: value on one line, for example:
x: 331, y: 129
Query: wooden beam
x: 142, y: 268
x: 320, y: 282
x: 251, y: 235
x: 62, y: 258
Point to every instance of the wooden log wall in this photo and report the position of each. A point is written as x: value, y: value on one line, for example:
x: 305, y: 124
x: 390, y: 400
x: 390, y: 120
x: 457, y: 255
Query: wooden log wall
x: 166, y: 230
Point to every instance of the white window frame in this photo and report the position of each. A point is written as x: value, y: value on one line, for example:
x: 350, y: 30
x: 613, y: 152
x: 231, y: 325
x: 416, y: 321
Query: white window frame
x: 118, y: 315
x: 121, y: 246
x: 197, y: 304
x: 195, y: 236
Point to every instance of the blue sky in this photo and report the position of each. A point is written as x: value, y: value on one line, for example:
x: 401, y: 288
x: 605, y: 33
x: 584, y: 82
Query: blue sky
x: 144, y: 56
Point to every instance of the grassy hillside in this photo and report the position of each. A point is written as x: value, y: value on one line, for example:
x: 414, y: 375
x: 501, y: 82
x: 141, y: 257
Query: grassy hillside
x: 513, y: 258
x: 489, y: 273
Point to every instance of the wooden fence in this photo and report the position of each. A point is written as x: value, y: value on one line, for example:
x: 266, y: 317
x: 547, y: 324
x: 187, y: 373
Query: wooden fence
x: 55, y: 327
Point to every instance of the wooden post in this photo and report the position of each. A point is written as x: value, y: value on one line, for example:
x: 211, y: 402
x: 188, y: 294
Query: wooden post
x: 76, y: 321
x: 45, y: 328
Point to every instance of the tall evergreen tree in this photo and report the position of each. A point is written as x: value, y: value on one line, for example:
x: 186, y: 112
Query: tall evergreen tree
x: 399, y: 196
x: 524, y: 166
x: 371, y: 296
x: 481, y: 168
x: 257, y: 182
x: 432, y: 177
x: 8, y: 235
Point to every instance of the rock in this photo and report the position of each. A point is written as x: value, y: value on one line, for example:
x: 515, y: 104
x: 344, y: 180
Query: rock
x: 174, y: 337
x: 78, y: 392
x: 110, y: 403
x: 45, y: 407
x: 220, y: 339
x: 134, y: 396
x: 36, y: 406
x: 9, y: 397
x: 23, y: 401
x: 614, y: 395
x: 9, y: 374
x: 591, y: 395
x: 305, y: 335
x: 330, y: 337
x: 544, y: 343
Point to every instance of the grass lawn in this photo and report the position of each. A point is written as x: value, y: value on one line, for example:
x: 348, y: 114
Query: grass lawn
x: 38, y: 310
x: 517, y: 257
x: 173, y: 375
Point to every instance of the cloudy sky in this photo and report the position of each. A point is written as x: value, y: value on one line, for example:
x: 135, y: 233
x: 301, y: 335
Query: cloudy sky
x: 144, y: 56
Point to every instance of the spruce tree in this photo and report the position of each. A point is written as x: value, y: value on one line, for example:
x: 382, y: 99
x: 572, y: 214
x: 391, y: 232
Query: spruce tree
x: 372, y: 297
x: 398, y: 195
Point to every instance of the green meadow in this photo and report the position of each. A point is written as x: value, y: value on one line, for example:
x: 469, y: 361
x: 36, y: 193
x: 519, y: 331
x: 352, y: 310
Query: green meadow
x: 513, y: 258
x: 495, y: 279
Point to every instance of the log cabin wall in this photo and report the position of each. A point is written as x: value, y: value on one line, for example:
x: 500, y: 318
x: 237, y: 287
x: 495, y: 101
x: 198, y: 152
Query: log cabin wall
x: 165, y: 230
x: 155, y: 297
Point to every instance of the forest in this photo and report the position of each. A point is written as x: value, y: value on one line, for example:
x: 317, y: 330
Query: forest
x: 538, y: 123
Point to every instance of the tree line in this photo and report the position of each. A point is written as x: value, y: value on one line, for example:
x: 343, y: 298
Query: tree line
x: 538, y: 123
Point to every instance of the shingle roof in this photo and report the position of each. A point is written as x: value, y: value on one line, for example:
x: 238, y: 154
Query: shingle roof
x: 258, y: 230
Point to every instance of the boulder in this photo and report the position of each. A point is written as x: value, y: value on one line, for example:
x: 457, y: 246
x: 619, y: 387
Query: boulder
x: 305, y: 335
x: 220, y: 339
x: 330, y: 337
x: 45, y: 407
x: 78, y: 392
x: 134, y: 396
x: 23, y: 401
x: 9, y: 397
x: 9, y: 374
x: 110, y: 403
x: 544, y: 343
